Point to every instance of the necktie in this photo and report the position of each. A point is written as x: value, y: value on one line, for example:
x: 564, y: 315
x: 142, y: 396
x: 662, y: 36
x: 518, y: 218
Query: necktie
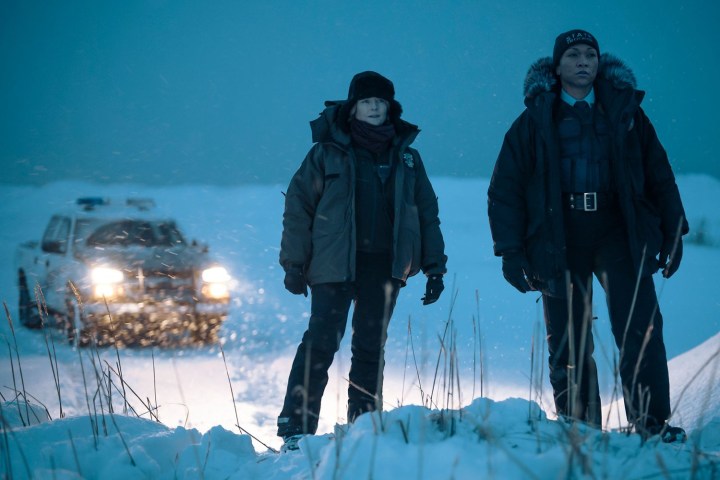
x: 583, y: 110
x: 582, y: 106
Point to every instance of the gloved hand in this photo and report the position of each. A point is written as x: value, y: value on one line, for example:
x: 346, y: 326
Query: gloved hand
x: 295, y: 282
x: 515, y: 268
x: 669, y: 261
x: 433, y: 289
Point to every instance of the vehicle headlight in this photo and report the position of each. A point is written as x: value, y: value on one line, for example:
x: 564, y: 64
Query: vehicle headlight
x: 215, y: 283
x: 106, y: 275
x: 106, y: 282
x: 215, y: 275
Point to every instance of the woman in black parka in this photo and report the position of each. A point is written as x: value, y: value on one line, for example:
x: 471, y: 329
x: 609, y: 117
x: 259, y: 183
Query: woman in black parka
x: 582, y: 187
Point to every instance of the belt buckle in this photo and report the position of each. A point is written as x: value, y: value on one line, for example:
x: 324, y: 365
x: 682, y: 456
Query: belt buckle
x: 590, y: 202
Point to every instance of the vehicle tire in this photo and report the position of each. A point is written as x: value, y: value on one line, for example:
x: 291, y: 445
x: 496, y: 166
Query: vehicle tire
x: 27, y: 306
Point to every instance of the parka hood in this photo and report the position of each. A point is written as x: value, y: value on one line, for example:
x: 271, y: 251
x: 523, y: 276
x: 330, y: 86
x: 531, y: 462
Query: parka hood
x: 327, y: 128
x: 541, y: 76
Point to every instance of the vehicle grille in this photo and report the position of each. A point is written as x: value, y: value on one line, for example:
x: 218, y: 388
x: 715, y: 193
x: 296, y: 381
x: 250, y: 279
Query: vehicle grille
x: 159, y: 287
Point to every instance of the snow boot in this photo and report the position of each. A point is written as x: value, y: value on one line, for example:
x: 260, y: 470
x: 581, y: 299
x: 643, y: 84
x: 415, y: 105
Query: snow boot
x: 291, y: 442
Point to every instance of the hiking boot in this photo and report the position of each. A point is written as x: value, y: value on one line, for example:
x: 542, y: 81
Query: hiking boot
x: 291, y: 442
x: 673, y: 435
x: 357, y: 408
x: 667, y: 433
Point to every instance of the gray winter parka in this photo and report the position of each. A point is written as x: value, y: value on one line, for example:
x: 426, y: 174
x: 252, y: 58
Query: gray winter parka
x: 319, y: 219
x: 524, y: 197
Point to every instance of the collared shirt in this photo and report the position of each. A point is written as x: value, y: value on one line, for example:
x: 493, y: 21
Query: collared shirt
x: 567, y: 98
x: 584, y: 146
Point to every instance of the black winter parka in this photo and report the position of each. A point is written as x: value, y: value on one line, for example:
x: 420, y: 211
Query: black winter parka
x: 524, y: 197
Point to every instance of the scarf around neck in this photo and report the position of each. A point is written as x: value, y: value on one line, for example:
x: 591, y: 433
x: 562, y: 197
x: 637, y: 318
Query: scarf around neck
x: 374, y: 138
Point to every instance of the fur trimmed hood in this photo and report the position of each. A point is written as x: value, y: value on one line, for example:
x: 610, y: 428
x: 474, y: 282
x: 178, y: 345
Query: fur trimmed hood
x: 541, y: 76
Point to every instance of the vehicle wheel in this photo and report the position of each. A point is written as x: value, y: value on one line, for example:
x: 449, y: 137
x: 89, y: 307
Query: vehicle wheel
x: 27, y: 306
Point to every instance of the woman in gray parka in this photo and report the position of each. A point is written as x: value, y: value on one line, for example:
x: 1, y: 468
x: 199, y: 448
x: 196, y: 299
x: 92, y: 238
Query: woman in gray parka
x: 360, y: 218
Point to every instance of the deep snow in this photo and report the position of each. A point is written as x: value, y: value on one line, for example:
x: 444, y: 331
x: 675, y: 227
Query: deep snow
x: 502, y: 430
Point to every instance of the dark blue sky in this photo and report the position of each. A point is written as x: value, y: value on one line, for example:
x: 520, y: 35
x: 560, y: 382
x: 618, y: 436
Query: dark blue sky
x: 221, y: 92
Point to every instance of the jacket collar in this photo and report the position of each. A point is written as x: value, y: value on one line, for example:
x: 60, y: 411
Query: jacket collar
x: 567, y: 98
x: 541, y: 76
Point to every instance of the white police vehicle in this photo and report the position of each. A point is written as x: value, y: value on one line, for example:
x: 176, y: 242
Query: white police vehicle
x: 117, y: 272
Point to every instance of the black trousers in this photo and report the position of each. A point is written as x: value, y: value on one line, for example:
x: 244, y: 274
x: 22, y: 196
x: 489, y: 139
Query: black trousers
x: 374, y: 294
x: 597, y: 244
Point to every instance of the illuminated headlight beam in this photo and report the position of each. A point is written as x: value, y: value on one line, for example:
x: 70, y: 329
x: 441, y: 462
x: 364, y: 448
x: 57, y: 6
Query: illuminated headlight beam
x: 105, y: 275
x: 106, y: 282
x: 215, y: 283
x: 215, y: 275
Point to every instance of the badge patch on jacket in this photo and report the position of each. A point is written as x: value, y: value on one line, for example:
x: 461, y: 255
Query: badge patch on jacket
x: 408, y: 158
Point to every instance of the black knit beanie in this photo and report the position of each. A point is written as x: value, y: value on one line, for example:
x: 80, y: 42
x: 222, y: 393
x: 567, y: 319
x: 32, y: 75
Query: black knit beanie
x: 371, y: 84
x: 568, y: 39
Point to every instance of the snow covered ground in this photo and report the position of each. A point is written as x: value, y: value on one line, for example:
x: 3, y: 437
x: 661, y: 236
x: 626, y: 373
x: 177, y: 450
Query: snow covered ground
x: 495, y: 420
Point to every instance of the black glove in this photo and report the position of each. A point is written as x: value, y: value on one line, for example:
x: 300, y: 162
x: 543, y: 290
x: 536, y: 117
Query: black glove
x: 669, y: 261
x: 295, y: 282
x: 433, y: 289
x: 515, y: 268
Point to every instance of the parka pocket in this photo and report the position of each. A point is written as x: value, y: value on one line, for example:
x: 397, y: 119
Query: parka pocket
x: 331, y: 214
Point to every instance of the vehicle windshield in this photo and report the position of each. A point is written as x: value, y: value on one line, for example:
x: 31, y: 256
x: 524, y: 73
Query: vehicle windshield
x: 125, y: 233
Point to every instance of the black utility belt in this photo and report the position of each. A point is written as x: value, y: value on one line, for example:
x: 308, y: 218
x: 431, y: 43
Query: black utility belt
x: 590, y: 201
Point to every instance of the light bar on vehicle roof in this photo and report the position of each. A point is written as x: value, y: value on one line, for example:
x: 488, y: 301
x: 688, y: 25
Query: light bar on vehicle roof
x: 90, y: 202
x: 140, y: 203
